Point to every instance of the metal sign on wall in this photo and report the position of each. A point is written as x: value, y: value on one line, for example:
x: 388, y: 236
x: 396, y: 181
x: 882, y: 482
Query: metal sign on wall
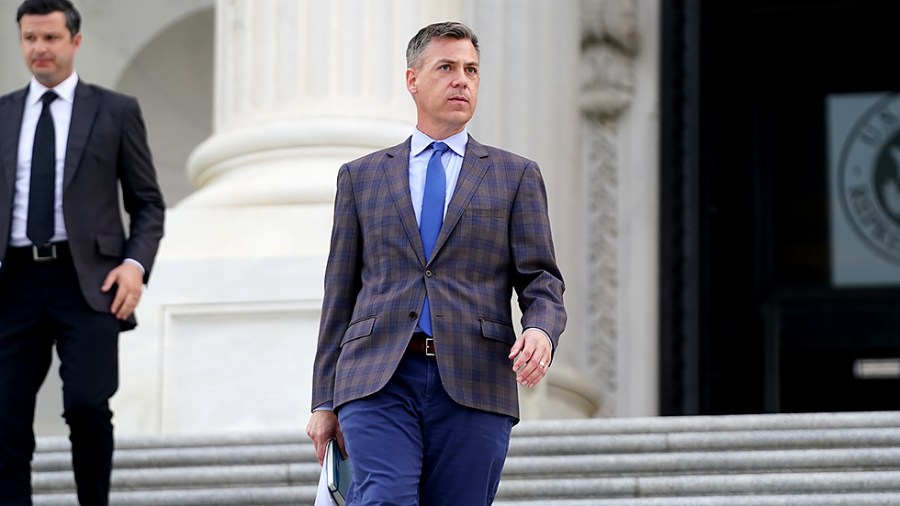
x: 864, y: 186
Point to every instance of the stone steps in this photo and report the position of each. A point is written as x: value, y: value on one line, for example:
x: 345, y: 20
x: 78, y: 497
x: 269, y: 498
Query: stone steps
x: 809, y: 459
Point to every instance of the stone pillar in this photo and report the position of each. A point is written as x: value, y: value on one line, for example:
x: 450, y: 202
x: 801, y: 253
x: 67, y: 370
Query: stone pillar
x: 620, y: 120
x: 301, y: 87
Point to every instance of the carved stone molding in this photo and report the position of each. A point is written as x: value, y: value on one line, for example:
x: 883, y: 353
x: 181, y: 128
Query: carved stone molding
x: 609, y: 46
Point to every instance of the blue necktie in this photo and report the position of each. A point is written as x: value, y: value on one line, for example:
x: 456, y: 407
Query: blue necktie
x: 432, y: 216
x: 43, y: 176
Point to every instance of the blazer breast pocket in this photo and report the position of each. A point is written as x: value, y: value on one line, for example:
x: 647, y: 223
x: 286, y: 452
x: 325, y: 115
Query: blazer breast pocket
x: 484, y: 225
x: 486, y: 212
x: 103, y: 145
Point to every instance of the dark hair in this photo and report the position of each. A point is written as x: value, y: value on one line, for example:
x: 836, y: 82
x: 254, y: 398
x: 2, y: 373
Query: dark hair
x: 41, y: 7
x: 419, y: 43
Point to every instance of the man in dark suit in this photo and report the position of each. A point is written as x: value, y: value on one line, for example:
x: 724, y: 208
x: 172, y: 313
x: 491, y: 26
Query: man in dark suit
x: 418, y: 363
x: 70, y: 275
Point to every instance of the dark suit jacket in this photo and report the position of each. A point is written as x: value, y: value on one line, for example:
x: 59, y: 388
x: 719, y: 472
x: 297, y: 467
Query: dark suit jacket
x: 107, y: 148
x: 495, y: 239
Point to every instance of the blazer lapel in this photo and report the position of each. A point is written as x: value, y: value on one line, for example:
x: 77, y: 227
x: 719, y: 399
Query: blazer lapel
x: 84, y: 110
x: 475, y: 165
x: 9, y: 135
x: 396, y: 170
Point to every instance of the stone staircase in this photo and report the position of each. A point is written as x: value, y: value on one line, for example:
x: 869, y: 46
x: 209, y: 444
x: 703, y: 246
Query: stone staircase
x: 818, y: 459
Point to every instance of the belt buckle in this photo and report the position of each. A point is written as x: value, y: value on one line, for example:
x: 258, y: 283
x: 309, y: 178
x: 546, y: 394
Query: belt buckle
x: 429, y: 346
x: 44, y: 253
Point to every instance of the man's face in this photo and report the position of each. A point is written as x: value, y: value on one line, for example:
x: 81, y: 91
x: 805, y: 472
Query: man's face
x: 48, y: 47
x: 445, y: 86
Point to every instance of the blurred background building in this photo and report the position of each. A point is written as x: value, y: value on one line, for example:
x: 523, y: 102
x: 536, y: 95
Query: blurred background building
x: 724, y: 184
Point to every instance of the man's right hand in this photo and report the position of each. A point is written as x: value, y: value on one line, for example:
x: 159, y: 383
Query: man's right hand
x: 323, y: 425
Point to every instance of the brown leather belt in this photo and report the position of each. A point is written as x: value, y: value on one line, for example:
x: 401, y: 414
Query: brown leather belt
x: 421, y: 343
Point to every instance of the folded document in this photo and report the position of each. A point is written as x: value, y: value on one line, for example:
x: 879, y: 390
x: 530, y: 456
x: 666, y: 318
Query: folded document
x: 335, y: 478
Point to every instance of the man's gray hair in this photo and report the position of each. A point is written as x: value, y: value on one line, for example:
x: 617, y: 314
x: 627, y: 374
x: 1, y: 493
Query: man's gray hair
x: 417, y: 45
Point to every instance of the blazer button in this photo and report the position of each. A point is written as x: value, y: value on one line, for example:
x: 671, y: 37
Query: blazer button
x: 413, y: 315
x: 428, y: 273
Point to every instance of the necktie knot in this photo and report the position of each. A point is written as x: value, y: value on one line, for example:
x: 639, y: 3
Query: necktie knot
x: 48, y: 97
x: 439, y: 148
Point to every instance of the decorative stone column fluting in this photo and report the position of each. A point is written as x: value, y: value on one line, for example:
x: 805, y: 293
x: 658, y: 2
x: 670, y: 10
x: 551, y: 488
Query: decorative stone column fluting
x: 302, y: 86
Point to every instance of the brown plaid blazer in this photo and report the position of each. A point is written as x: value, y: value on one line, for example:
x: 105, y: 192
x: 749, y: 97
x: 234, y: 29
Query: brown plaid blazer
x: 495, y: 239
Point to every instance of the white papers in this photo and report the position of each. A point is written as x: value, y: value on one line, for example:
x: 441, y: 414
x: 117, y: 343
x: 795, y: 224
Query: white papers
x: 323, y: 496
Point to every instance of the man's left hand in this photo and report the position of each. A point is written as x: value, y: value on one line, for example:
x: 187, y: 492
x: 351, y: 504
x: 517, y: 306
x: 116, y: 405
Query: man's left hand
x: 129, y: 282
x: 531, y: 354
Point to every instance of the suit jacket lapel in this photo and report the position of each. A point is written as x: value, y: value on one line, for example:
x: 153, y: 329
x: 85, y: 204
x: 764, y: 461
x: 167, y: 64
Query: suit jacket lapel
x: 9, y: 136
x: 474, y: 166
x: 84, y: 110
x: 396, y: 171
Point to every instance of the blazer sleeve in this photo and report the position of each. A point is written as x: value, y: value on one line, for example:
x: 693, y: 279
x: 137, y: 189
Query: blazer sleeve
x: 142, y: 198
x: 342, y: 284
x: 536, y: 276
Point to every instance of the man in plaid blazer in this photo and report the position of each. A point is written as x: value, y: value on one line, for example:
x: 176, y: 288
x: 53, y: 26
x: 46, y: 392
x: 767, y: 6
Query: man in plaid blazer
x: 422, y: 392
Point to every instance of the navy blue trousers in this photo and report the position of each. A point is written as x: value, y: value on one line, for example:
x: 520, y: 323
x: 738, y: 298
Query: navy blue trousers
x: 411, y: 445
x: 41, y: 305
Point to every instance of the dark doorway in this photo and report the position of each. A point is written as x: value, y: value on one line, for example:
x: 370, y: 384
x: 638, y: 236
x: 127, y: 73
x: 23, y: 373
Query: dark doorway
x: 752, y: 318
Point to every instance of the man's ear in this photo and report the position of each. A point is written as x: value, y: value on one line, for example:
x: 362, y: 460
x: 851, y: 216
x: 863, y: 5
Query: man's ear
x: 411, y: 85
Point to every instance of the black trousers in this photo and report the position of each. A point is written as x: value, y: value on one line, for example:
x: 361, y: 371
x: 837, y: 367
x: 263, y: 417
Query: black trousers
x: 41, y: 305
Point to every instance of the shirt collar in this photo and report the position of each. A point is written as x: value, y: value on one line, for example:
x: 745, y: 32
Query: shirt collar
x: 65, y: 89
x: 457, y: 142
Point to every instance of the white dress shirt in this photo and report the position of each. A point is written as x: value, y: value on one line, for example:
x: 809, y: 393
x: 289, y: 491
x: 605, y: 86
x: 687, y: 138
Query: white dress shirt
x: 61, y: 109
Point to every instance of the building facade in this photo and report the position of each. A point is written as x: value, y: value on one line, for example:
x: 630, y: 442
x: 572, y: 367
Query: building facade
x: 251, y: 107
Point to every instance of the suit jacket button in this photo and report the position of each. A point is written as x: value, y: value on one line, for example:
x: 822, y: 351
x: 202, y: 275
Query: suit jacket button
x: 428, y: 273
x: 413, y: 315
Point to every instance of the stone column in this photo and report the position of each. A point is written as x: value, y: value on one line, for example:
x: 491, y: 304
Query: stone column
x: 301, y: 87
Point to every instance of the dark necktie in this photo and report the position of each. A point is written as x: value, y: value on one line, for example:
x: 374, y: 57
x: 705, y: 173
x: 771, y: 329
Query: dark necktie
x: 43, y: 177
x: 432, y: 216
